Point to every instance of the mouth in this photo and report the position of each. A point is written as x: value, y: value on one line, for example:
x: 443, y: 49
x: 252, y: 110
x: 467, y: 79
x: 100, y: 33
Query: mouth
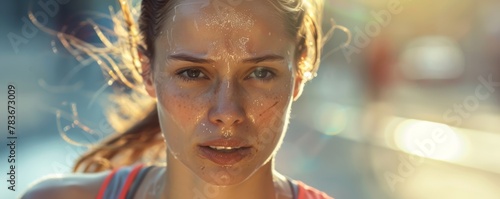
x: 225, y: 148
x: 225, y: 152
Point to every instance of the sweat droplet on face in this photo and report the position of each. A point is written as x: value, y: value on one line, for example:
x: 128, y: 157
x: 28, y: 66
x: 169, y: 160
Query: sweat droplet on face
x: 226, y: 19
x: 258, y: 103
x: 176, y: 155
x: 224, y: 178
x: 244, y: 40
x: 206, y: 129
x: 243, y: 43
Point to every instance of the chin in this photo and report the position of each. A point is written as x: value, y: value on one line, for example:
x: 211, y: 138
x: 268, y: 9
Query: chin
x: 225, y: 175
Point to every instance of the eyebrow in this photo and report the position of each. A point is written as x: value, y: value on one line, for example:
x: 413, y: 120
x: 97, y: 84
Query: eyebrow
x: 190, y: 58
x: 270, y: 57
x: 255, y: 60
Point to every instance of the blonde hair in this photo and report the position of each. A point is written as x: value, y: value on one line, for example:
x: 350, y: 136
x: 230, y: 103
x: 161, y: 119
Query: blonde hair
x: 138, y: 137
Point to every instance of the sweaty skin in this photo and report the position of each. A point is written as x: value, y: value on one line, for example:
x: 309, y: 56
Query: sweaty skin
x: 223, y: 71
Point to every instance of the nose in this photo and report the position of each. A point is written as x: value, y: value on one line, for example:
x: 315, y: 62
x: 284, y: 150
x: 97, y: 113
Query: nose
x: 227, y: 109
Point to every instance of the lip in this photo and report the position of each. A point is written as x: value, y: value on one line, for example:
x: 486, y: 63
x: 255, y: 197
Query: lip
x: 224, y: 157
x: 231, y: 142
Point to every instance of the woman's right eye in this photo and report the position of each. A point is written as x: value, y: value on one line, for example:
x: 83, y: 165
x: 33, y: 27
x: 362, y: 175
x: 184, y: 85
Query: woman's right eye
x: 191, y: 74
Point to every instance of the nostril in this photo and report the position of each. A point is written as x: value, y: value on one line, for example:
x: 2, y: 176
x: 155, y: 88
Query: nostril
x: 237, y: 121
x: 226, y: 120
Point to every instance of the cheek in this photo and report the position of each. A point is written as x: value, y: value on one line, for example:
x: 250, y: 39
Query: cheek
x: 180, y: 109
x: 271, y: 104
x: 270, y: 115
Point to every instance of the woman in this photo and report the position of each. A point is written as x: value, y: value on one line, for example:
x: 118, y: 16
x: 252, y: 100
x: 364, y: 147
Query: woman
x: 223, y: 75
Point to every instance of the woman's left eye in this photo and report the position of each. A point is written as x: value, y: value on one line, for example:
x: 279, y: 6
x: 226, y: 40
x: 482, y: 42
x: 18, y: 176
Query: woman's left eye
x: 262, y: 73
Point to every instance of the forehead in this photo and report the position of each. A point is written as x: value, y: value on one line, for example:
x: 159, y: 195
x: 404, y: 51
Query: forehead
x: 238, y: 27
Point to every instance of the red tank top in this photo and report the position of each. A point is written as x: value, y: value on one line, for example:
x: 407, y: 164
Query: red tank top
x: 123, y: 183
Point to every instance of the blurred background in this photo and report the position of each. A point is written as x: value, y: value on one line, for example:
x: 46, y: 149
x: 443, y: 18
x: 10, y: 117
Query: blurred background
x: 409, y: 109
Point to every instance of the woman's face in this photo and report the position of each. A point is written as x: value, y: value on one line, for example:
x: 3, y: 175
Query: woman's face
x: 224, y: 77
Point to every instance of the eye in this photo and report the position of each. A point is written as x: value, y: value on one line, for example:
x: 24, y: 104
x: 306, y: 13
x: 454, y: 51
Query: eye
x: 262, y: 73
x: 191, y: 74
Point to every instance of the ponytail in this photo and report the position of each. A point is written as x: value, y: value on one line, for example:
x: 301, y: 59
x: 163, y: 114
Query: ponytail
x: 138, y: 137
x: 140, y: 143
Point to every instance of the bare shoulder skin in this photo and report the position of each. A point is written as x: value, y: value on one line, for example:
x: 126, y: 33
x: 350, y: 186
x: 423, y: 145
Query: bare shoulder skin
x: 75, y: 186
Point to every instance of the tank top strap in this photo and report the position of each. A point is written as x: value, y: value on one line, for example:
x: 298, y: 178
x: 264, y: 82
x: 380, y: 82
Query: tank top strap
x: 295, y: 188
x: 137, y: 182
x: 122, y: 183
x: 303, y: 191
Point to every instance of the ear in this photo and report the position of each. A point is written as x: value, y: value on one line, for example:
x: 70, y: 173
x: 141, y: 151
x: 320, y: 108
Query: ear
x: 298, y: 86
x: 147, y: 75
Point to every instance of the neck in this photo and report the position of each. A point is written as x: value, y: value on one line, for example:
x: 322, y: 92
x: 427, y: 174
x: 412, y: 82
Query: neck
x: 180, y: 182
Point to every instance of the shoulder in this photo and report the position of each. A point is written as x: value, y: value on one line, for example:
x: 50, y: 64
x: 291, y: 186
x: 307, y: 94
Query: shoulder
x: 76, y: 186
x: 307, y: 192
